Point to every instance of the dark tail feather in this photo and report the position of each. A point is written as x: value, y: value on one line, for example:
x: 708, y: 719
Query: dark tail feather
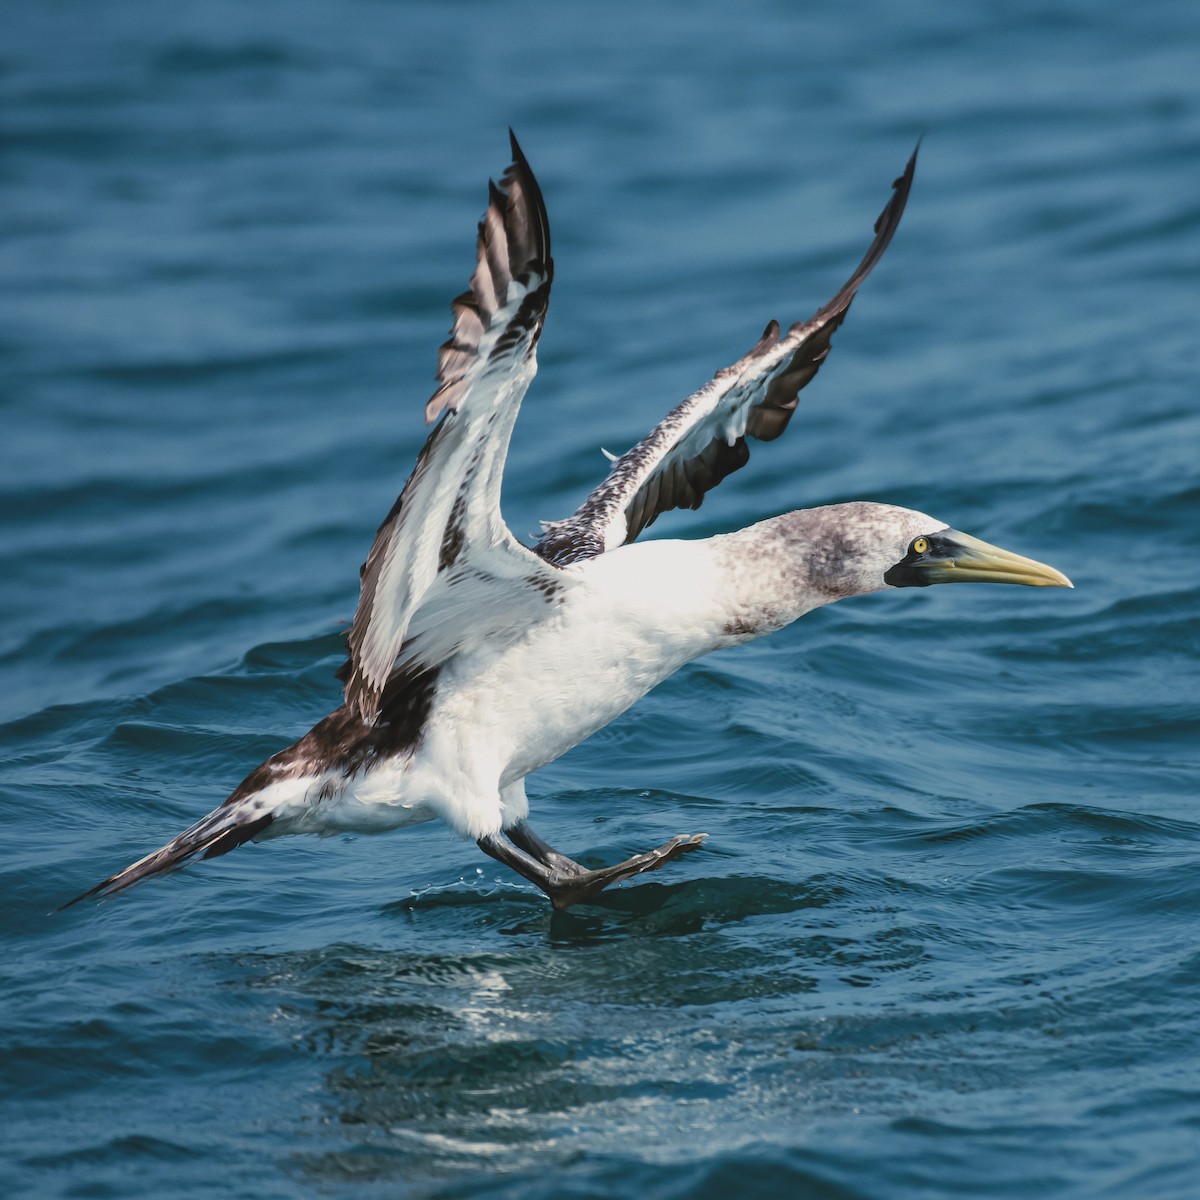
x: 218, y: 833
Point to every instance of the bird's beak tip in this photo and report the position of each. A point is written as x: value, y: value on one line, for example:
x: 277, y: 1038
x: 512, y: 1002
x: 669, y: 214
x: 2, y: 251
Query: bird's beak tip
x: 1052, y: 578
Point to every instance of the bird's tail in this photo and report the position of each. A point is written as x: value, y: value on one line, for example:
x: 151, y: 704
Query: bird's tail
x: 224, y: 829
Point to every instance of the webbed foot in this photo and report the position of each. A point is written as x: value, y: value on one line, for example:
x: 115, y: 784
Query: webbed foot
x: 564, y: 880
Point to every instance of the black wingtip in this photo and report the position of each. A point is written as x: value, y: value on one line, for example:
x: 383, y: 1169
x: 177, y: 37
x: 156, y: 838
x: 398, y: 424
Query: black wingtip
x: 911, y: 165
x: 208, y: 838
x: 885, y: 227
x: 894, y: 208
x: 522, y: 170
x: 92, y: 891
x: 111, y: 886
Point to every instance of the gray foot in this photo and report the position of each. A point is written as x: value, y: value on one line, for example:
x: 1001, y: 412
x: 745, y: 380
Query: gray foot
x: 565, y: 881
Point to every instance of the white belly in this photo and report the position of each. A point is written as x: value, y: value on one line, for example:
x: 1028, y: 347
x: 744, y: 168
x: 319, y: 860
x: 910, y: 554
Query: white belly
x: 640, y: 616
x: 503, y: 710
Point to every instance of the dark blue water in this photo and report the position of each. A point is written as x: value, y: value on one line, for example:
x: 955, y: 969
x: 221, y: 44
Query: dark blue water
x: 945, y: 939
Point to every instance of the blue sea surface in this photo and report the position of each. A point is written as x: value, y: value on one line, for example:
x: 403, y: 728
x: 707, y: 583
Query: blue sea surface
x: 944, y: 940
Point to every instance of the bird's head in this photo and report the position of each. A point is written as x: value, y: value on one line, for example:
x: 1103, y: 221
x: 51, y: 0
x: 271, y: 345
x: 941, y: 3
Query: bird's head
x: 852, y: 549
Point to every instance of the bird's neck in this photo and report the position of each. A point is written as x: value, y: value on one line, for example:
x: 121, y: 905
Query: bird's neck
x: 784, y: 567
x: 676, y: 600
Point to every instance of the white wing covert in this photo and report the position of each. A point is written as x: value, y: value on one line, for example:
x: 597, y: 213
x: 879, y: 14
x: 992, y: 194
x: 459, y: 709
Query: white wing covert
x: 444, y: 549
x: 703, y: 440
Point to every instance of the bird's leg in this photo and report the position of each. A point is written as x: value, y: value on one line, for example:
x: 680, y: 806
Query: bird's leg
x: 525, y: 839
x: 565, y: 886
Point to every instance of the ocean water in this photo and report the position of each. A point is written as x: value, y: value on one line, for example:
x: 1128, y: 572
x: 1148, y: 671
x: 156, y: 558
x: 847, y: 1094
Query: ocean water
x: 944, y: 940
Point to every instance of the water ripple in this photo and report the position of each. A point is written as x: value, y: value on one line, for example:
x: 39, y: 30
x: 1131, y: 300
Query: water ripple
x: 941, y: 941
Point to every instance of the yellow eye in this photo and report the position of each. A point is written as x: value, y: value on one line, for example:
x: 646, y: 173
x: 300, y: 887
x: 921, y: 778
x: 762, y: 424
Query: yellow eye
x: 920, y: 545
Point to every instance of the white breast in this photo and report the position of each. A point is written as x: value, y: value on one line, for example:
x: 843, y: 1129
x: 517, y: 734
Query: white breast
x: 640, y: 614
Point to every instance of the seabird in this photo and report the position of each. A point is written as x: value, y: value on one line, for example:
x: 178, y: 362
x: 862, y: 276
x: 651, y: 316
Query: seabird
x: 475, y: 659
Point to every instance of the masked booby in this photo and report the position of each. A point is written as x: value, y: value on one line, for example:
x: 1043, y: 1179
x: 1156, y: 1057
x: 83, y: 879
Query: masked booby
x: 475, y: 659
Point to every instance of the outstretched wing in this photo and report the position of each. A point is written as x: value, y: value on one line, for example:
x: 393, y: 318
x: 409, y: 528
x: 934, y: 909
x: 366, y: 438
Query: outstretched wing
x: 703, y: 440
x: 444, y: 546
